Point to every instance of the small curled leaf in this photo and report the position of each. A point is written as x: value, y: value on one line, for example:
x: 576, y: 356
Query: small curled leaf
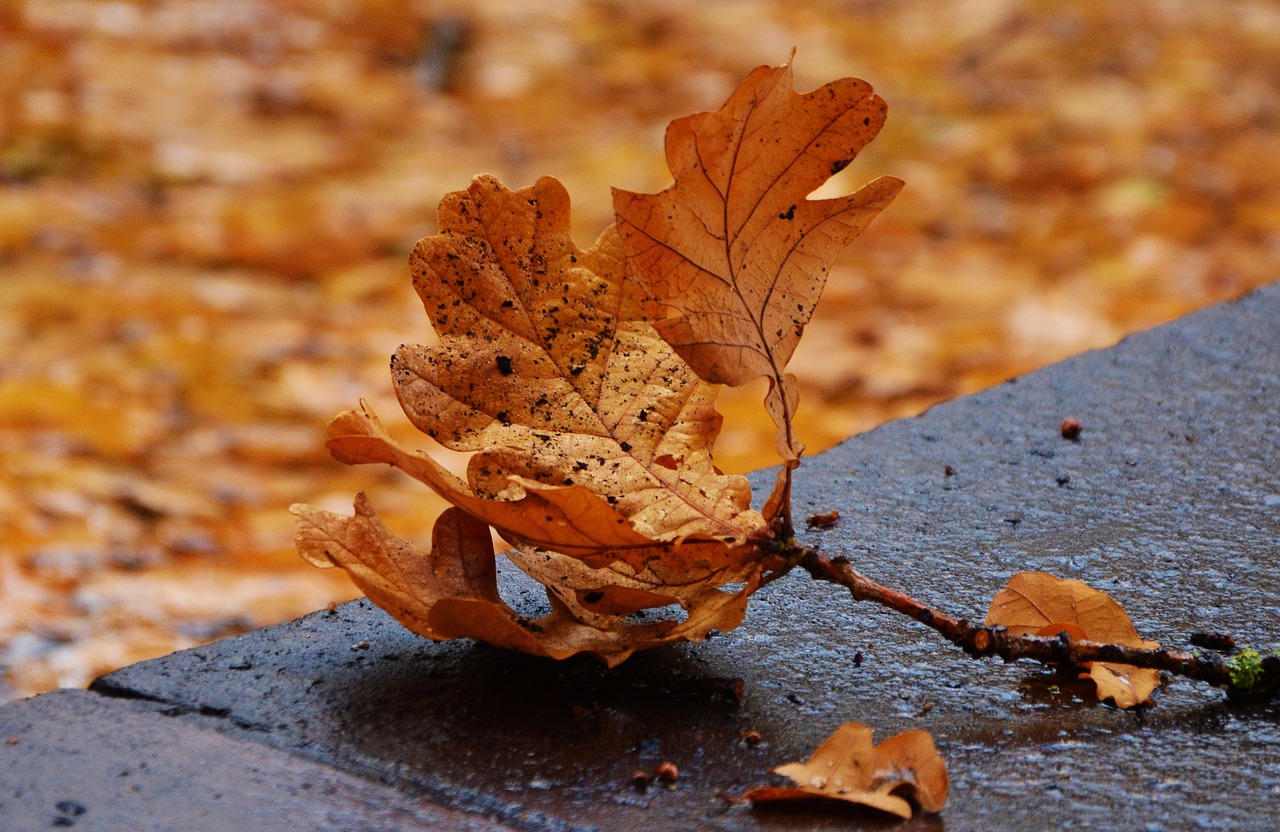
x: 903, y: 769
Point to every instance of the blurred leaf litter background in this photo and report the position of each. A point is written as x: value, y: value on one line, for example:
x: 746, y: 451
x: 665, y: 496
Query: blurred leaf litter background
x: 206, y: 206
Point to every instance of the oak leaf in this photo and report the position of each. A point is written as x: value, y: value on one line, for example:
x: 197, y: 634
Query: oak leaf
x: 734, y: 246
x: 451, y: 591
x: 849, y: 768
x: 591, y: 441
x: 1037, y: 603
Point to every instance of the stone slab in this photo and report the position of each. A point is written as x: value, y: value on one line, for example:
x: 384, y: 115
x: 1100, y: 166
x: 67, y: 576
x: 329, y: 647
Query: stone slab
x: 70, y: 759
x: 1169, y: 500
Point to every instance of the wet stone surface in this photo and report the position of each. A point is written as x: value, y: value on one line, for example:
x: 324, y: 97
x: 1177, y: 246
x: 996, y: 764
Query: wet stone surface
x: 72, y: 759
x: 1169, y: 500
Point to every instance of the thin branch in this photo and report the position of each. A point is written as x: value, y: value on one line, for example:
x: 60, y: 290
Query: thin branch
x: 1250, y: 679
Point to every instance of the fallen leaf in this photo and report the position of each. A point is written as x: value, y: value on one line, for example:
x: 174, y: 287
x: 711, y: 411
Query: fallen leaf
x: 734, y: 246
x: 451, y: 591
x: 1038, y: 603
x: 549, y: 369
x: 592, y: 443
x: 395, y: 576
x: 903, y: 769
x: 574, y: 520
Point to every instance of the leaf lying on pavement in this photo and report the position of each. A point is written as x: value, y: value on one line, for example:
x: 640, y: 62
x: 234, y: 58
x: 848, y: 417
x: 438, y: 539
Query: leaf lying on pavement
x: 1038, y: 603
x: 849, y: 768
x: 549, y: 369
x: 592, y: 442
x: 451, y: 592
x: 591, y: 426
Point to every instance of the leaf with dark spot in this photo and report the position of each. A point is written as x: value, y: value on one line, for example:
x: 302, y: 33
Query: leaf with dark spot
x: 734, y: 247
x: 638, y: 530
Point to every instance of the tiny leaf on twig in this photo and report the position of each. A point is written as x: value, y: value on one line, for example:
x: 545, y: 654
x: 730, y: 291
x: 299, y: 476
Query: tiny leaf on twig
x: 1038, y: 603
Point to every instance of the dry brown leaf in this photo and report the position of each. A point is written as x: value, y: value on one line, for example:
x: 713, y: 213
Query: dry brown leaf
x: 549, y: 369
x: 1038, y: 603
x: 849, y: 768
x: 574, y: 520
x: 451, y: 592
x: 734, y: 246
x: 591, y: 437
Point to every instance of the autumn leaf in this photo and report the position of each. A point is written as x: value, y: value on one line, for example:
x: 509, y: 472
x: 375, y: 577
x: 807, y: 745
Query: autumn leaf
x: 734, y: 246
x: 549, y: 369
x: 451, y: 592
x: 591, y: 426
x: 573, y: 519
x: 591, y: 439
x: 1036, y: 603
x: 849, y: 768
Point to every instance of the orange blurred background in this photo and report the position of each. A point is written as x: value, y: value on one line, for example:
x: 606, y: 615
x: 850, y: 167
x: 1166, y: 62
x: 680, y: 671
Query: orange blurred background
x: 206, y: 206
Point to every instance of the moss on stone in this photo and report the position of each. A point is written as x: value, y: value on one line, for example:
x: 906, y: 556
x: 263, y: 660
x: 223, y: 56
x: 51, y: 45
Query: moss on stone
x: 1245, y: 668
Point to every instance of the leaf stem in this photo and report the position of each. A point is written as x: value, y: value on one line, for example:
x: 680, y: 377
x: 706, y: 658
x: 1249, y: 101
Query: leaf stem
x: 787, y: 528
x: 1261, y: 679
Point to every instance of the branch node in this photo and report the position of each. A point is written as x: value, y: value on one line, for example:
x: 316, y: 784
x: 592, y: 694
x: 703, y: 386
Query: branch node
x: 1062, y: 648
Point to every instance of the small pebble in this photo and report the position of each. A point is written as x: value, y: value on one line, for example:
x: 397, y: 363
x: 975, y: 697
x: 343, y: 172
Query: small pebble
x: 667, y: 772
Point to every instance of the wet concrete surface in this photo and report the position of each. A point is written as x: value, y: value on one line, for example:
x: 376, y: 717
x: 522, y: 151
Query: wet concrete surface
x: 1169, y: 500
x: 72, y: 759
